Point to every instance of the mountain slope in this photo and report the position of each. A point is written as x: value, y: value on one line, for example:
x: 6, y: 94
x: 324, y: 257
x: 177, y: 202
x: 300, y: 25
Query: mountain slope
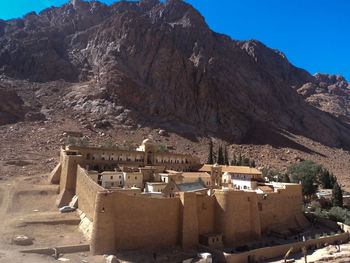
x: 159, y: 65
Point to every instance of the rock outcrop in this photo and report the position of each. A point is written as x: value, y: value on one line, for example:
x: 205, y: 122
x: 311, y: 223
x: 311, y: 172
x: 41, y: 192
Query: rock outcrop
x: 330, y: 93
x: 11, y: 107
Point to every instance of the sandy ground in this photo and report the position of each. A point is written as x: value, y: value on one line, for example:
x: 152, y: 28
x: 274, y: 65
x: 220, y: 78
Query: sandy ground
x: 21, y: 203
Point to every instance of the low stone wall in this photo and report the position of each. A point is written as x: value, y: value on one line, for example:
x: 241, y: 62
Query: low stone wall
x: 58, y: 250
x: 261, y: 254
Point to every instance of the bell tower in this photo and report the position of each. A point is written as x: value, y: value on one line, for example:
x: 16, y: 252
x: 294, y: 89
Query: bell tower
x: 216, y: 176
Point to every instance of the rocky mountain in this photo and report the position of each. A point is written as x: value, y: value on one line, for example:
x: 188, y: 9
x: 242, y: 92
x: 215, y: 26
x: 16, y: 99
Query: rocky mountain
x: 329, y: 93
x: 156, y: 64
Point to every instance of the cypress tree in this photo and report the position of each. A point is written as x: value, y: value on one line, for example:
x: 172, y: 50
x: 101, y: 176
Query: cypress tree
x: 325, y: 179
x: 252, y: 164
x: 239, y: 162
x: 210, y: 156
x: 234, y: 160
x: 226, y: 157
x: 220, y: 156
x: 246, y: 162
x: 286, y: 178
x: 337, y: 195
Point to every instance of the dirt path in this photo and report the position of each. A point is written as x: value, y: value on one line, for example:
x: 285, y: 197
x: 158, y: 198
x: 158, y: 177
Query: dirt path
x: 5, y: 192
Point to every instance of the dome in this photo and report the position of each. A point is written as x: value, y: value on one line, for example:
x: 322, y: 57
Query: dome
x: 146, y: 141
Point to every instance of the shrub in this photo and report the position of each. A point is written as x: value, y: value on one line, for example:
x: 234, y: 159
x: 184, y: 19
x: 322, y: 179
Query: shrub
x: 162, y: 148
x: 314, y: 205
x: 339, y: 214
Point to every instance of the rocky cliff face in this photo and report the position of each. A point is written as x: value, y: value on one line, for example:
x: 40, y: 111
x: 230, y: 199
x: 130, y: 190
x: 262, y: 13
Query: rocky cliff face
x: 330, y: 93
x: 158, y: 64
x: 11, y: 107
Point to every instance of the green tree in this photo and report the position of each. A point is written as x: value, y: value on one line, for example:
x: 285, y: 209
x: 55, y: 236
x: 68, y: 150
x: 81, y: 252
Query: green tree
x: 71, y: 141
x: 286, y: 178
x: 220, y: 156
x: 337, y: 195
x: 234, y: 160
x: 239, y: 162
x: 274, y: 176
x: 333, y: 180
x: 326, y: 179
x: 246, y: 162
x: 162, y: 148
x: 306, y: 172
x: 226, y: 157
x: 210, y: 156
x: 83, y: 142
x: 252, y: 164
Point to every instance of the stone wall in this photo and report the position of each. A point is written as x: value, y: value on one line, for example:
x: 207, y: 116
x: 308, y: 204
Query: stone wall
x: 130, y: 222
x: 86, y: 191
x: 279, y: 209
x: 258, y: 255
x: 206, y: 214
x: 236, y: 216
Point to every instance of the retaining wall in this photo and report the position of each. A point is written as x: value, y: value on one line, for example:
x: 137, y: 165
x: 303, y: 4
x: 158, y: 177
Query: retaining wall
x: 261, y: 254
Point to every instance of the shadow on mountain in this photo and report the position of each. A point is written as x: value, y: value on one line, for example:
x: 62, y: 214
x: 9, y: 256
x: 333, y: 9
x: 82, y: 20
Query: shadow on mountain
x: 277, y: 138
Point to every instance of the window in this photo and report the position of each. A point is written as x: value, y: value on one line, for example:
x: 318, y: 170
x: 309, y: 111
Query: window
x: 120, y: 176
x: 135, y: 177
x: 112, y: 177
x: 88, y: 156
x: 112, y: 184
x: 129, y: 177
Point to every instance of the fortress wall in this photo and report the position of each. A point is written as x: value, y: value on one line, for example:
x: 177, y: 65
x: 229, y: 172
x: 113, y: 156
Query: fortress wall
x: 132, y: 222
x: 146, y: 222
x: 67, y: 178
x: 280, y: 209
x: 188, y: 220
x: 235, y: 216
x: 69, y: 171
x: 206, y: 214
x: 86, y: 191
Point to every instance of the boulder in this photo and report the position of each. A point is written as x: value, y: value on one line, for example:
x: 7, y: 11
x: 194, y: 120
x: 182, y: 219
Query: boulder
x: 163, y: 133
x: 112, y: 259
x: 22, y: 240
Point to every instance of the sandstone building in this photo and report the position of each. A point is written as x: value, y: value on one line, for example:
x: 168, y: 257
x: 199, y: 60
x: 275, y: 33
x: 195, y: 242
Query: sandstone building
x: 132, y: 197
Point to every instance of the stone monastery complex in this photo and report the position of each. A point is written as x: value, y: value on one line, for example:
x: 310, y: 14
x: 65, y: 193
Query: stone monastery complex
x: 148, y: 199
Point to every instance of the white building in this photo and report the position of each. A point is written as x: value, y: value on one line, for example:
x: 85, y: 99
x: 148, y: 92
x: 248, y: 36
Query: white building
x: 241, y: 177
x: 155, y: 187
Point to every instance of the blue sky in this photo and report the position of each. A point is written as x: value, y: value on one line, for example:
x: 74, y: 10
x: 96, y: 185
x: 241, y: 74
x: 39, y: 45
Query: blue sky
x: 314, y: 35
